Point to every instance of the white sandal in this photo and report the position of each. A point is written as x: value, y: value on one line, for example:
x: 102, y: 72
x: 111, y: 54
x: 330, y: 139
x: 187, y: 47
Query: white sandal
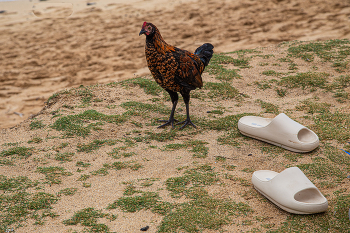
x: 291, y: 190
x: 280, y: 131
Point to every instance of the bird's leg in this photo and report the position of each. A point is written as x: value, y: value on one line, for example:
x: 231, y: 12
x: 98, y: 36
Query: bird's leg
x: 186, y: 97
x: 174, y: 98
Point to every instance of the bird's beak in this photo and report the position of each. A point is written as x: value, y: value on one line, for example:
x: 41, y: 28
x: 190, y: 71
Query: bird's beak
x: 143, y: 31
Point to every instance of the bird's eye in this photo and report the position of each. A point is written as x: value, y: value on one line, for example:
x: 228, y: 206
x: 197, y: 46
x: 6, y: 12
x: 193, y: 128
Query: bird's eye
x: 149, y: 28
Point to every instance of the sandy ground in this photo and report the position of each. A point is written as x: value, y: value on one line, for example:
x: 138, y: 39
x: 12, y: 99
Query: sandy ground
x: 160, y: 164
x: 49, y: 46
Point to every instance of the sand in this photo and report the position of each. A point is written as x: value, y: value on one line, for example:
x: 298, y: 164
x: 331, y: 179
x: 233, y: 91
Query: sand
x: 49, y: 48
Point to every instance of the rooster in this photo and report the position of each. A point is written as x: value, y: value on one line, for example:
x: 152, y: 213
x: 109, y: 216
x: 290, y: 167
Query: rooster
x: 174, y: 69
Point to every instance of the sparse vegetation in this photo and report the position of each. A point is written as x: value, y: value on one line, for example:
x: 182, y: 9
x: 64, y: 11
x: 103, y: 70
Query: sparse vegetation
x: 216, y: 67
x: 91, y: 138
x: 88, y: 217
x: 22, y: 152
x: 221, y: 90
x: 310, y: 80
x: 36, y: 124
x: 94, y: 145
x: 75, y: 125
x: 149, y: 86
x: 53, y: 174
x: 269, y: 108
x: 18, y: 204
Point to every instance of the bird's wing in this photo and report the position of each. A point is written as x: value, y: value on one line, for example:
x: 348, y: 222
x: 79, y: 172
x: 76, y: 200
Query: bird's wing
x: 189, y: 69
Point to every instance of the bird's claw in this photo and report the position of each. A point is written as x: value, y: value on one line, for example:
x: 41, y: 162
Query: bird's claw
x: 185, y: 123
x: 168, y: 122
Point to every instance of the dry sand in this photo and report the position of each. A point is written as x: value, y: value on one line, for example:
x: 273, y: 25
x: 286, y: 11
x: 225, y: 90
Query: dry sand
x: 72, y: 44
x: 44, y: 53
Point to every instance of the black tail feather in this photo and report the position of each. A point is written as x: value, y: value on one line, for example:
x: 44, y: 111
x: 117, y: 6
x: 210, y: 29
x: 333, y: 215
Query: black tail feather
x: 205, y: 52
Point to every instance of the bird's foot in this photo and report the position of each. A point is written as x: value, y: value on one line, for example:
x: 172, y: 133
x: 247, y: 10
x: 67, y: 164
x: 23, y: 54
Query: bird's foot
x: 168, y: 122
x: 185, y: 123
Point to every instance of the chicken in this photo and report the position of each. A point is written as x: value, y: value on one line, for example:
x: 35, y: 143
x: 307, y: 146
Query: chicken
x: 174, y: 69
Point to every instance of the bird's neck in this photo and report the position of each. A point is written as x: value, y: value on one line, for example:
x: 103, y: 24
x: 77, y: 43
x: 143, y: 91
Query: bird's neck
x: 156, y: 40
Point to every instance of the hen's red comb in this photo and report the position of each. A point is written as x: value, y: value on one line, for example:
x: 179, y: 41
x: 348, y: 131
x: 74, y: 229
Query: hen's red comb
x: 144, y: 24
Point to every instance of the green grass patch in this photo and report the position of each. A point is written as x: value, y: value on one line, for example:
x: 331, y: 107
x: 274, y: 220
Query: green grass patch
x: 293, y: 156
x: 100, y: 172
x: 263, y: 85
x: 163, y: 136
x: 281, y: 92
x: 84, y: 177
x: 67, y: 191
x: 341, y: 82
x: 310, y: 80
x: 341, y: 66
x: 323, y: 170
x: 270, y: 73
x: 195, y: 177
x: 17, y: 205
x: 64, y: 157
x: 85, y: 94
x: 218, y: 112
x: 88, y: 218
x: 149, y: 86
x: 144, y: 107
x: 147, y: 200
x: 341, y: 96
x: 313, y: 107
x: 124, y: 165
x: 225, y: 123
x: 337, y: 156
x: 95, y: 145
x: 269, y: 108
x: 199, y: 213
x: 175, y: 146
x: 332, y: 126
x: 36, y: 124
x: 52, y: 174
x: 203, y: 213
x: 221, y: 90
x: 198, y: 148
x: 217, y: 69
x: 131, y: 190
x: 82, y: 164
x: 331, y: 50
x: 81, y: 125
x: 18, y: 183
x: 336, y: 219
x: 35, y: 140
x: 22, y: 152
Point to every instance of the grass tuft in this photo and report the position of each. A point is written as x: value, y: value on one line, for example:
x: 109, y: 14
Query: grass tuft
x: 88, y: 217
x: 305, y: 80
x: 221, y: 90
x: 75, y: 125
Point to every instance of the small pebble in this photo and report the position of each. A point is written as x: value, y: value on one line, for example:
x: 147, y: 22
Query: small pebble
x: 1, y: 12
x: 90, y: 3
x: 348, y: 176
x: 249, y: 154
x: 144, y: 228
